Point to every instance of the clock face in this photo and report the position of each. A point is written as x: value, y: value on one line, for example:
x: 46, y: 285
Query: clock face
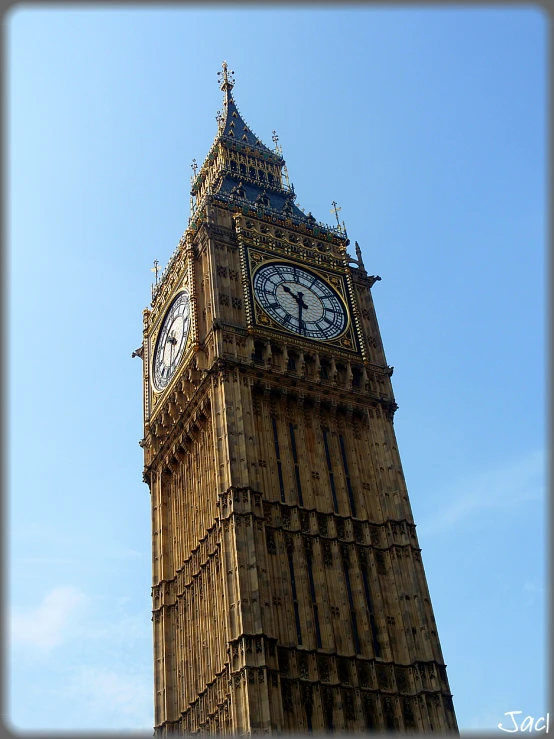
x: 172, y: 340
x: 300, y: 301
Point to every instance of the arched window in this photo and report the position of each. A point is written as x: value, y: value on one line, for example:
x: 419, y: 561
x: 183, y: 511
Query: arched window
x: 258, y: 355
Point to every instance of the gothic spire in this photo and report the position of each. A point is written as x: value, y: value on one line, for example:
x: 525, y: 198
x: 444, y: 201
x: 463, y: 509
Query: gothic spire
x: 245, y: 171
x: 232, y: 124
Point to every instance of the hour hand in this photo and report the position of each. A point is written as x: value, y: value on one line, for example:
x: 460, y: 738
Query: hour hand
x: 300, y: 300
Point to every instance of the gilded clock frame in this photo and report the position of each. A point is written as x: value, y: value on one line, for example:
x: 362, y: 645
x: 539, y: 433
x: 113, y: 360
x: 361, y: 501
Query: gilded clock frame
x: 155, y: 394
x: 257, y: 318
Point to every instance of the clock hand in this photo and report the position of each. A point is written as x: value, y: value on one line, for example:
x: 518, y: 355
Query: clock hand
x: 298, y: 297
x: 301, y: 304
x: 300, y: 300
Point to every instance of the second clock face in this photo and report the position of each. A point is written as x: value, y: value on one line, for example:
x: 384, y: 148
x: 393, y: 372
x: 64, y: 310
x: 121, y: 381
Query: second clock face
x: 300, y: 301
x: 172, y: 340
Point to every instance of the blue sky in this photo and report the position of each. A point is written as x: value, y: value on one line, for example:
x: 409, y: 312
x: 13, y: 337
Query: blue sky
x: 428, y: 127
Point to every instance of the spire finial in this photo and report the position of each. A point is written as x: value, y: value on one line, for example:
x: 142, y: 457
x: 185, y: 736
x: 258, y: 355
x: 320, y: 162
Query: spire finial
x: 156, y: 269
x: 335, y: 210
x: 275, y: 140
x: 226, y: 81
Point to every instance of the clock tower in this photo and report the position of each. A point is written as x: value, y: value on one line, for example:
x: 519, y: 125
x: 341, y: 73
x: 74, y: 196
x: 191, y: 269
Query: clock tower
x: 288, y: 589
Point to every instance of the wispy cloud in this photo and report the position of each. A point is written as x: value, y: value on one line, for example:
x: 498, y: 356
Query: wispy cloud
x: 126, y: 630
x: 106, y: 672
x: 50, y: 623
x: 521, y: 480
x: 126, y: 697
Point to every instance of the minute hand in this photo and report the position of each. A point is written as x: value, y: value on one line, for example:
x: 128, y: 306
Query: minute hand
x: 299, y: 298
x: 301, y: 304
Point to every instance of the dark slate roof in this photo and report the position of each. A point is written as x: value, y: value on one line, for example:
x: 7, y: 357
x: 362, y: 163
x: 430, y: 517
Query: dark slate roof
x: 277, y: 200
x: 236, y: 127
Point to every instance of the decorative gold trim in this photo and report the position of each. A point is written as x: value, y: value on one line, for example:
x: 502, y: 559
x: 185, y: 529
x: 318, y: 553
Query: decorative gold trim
x: 337, y: 283
x: 153, y: 340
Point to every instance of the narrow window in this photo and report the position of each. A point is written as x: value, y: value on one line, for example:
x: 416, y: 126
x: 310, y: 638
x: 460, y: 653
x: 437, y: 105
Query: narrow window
x: 330, y: 470
x: 270, y: 178
x: 258, y: 355
x: 352, y: 610
x: 348, y: 483
x: 308, y: 706
x: 294, y: 598
x: 252, y: 172
x: 242, y: 168
x: 233, y: 165
x: 373, y: 625
x: 314, y: 604
x: 328, y: 709
x: 369, y: 713
x: 296, y: 467
x: 341, y: 374
x: 390, y: 722
x: 278, y: 455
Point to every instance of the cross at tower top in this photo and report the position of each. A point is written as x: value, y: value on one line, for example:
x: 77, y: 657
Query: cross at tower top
x: 335, y: 210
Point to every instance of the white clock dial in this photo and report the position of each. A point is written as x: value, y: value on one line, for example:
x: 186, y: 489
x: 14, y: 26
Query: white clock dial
x: 172, y: 340
x: 300, y: 301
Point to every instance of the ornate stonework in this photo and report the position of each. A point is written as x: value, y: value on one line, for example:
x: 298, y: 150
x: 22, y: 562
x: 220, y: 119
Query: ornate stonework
x: 288, y: 589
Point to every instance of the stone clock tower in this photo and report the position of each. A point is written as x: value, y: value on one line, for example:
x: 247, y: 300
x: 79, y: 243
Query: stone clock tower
x: 288, y: 589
